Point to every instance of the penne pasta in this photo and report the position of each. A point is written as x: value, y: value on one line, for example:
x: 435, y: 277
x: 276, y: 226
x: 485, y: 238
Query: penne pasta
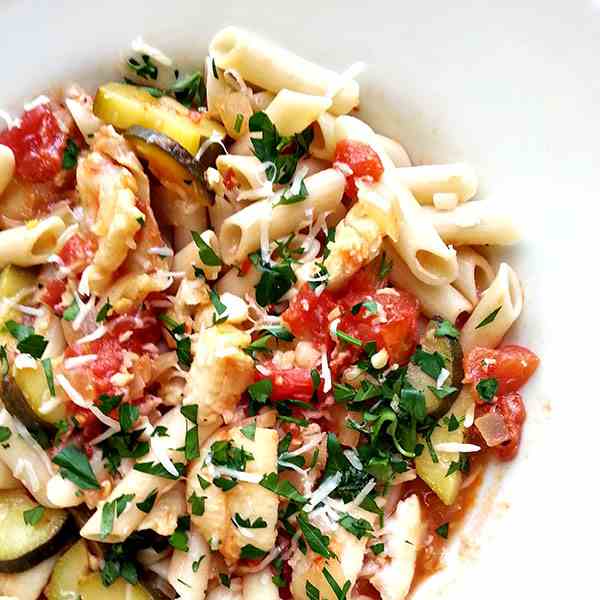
x: 241, y: 232
x: 475, y: 223
x: 436, y: 300
x: 142, y: 484
x: 292, y: 112
x: 188, y: 257
x: 7, y: 480
x: 166, y: 510
x: 324, y: 137
x: 248, y: 171
x: 238, y: 284
x: 30, y: 244
x: 394, y: 150
x: 502, y: 300
x: 272, y: 68
x: 259, y: 586
x: 427, y: 180
x: 188, y: 572
x: 475, y: 274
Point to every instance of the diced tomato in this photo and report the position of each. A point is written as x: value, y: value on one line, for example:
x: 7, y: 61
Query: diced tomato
x: 38, y: 145
x: 362, y: 284
x: 363, y: 161
x: 512, y: 410
x: 307, y: 313
x: 512, y: 366
x: 229, y: 179
x: 53, y: 293
x: 77, y: 250
x: 295, y: 383
x: 393, y: 327
x: 245, y: 266
x: 145, y: 329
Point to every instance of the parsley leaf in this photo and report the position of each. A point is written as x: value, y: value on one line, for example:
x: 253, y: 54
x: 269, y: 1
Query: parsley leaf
x: 33, y: 516
x: 261, y: 390
x: 5, y: 434
x: 258, y: 523
x: 446, y: 329
x: 145, y: 69
x: 70, y: 155
x: 357, y: 527
x: 317, y: 541
x: 487, y: 389
x: 340, y: 593
x: 442, y: 531
x: 239, y: 120
x: 384, y: 268
x: 288, y: 198
x: 348, y: 339
x: 158, y: 470
x: 489, y: 318
x: 206, y: 253
x: 47, y: 366
x: 72, y: 311
x: 197, y: 504
x: 75, y: 466
x: 220, y: 308
x: 250, y: 552
x: 275, y: 280
x: 108, y: 403
x: 249, y: 431
x: 179, y: 539
x: 430, y: 363
x: 28, y: 341
x: 146, y: 505
x: 442, y: 392
x: 103, y: 312
x: 128, y: 415
x: 282, y: 488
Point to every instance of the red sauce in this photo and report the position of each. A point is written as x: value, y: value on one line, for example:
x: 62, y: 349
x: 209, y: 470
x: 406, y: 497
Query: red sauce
x: 38, y: 145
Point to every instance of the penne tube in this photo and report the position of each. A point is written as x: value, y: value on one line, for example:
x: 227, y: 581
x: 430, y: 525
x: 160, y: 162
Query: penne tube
x: 7, y: 481
x: 188, y: 258
x: 249, y: 172
x: 29, y: 584
x: 26, y: 459
x: 324, y: 140
x: 504, y: 298
x: 142, y: 484
x: 292, y: 112
x: 238, y: 284
x: 436, y: 300
x: 474, y: 223
x: 63, y: 492
x: 216, y: 89
x: 475, y: 274
x: 166, y: 510
x: 427, y: 180
x: 241, y: 232
x: 261, y: 100
x: 417, y: 242
x: 394, y: 150
x: 272, y: 68
x: 30, y: 244
x: 188, y: 572
x: 351, y: 128
x: 259, y: 586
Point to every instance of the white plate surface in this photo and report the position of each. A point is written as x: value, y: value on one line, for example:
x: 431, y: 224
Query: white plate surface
x: 511, y: 87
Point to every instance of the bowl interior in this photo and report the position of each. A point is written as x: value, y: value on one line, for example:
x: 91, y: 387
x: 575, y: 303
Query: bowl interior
x: 509, y: 88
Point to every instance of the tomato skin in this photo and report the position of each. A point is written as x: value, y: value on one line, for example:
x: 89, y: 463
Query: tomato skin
x: 363, y: 161
x: 38, y: 145
x: 77, y: 251
x: 295, y: 383
x: 511, y: 408
x: 397, y: 334
x: 53, y: 293
x: 229, y: 179
x: 306, y: 316
x: 512, y: 366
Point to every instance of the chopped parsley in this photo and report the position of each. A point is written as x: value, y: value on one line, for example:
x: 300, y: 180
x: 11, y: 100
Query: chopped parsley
x: 33, y: 516
x: 145, y: 69
x: 487, y: 389
x: 250, y: 552
x: 347, y: 338
x: 179, y: 539
x: 282, y: 488
x: 318, y: 542
x: 446, y: 329
x: 490, y: 318
x: 147, y: 504
x: 249, y: 431
x: 289, y: 198
x: 239, y: 521
x: 103, y: 312
x: 5, y: 434
x: 357, y: 527
x: 442, y: 531
x: 207, y: 255
x: 47, y: 366
x: 72, y: 311
x: 75, y: 466
x: 158, y: 470
x: 70, y: 155
x: 239, y: 120
x: 28, y: 341
x: 220, y: 309
x: 197, y: 504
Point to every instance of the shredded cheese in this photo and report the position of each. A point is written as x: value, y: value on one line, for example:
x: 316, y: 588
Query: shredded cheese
x: 323, y: 491
x: 29, y: 310
x: 78, y: 361
x: 358, y: 499
x: 456, y: 447
x: 325, y: 373
x: 239, y: 475
x: 163, y: 251
x: 442, y: 377
x: 162, y: 454
x: 353, y: 459
x: 99, y: 332
x: 25, y: 361
x: 84, y: 309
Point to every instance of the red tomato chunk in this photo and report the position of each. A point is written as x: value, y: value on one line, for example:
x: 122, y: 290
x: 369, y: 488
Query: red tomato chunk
x: 363, y: 161
x: 295, y: 383
x: 38, y: 145
x: 512, y: 366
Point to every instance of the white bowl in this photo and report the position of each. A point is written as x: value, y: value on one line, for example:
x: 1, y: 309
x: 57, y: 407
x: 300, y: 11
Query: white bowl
x: 511, y: 87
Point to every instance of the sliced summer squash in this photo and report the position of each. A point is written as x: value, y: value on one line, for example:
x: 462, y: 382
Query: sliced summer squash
x: 34, y: 386
x: 450, y: 349
x: 24, y: 546
x: 70, y: 569
x: 168, y: 160
x: 12, y: 281
x: 434, y: 474
x: 124, y: 106
x: 24, y: 405
x: 92, y: 588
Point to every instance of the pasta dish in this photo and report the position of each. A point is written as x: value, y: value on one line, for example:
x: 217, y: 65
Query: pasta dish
x: 247, y: 349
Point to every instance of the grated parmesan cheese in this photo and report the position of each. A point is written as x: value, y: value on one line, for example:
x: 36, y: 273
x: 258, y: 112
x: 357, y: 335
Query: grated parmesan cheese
x: 239, y: 475
x: 353, y: 459
x: 345, y: 77
x: 325, y: 373
x: 39, y: 101
x: 163, y: 251
x: 323, y: 491
x: 99, y: 332
x: 78, y: 361
x: 442, y: 377
x: 456, y: 447
x: 25, y: 361
x: 162, y: 455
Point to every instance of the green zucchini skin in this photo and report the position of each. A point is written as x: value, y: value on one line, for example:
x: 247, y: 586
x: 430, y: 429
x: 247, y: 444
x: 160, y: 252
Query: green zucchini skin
x: 17, y: 405
x: 451, y: 350
x: 67, y: 534
x: 156, y: 586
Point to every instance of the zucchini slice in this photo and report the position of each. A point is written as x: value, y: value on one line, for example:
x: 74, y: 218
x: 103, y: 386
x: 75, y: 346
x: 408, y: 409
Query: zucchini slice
x: 17, y: 404
x: 124, y: 106
x: 435, y: 474
x: 168, y: 160
x: 158, y: 587
x: 70, y: 569
x: 92, y: 588
x: 451, y: 351
x: 24, y: 546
